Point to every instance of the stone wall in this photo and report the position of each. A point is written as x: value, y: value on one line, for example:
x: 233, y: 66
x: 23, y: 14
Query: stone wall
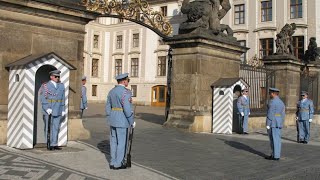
x: 29, y: 27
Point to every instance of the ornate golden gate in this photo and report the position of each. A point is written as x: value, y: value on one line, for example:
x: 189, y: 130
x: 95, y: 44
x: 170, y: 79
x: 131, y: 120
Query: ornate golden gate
x: 137, y: 11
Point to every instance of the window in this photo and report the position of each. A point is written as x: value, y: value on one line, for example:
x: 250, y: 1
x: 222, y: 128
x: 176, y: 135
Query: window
x: 243, y: 56
x: 119, y: 42
x: 266, y: 11
x: 94, y: 90
x: 134, y: 67
x: 134, y: 90
x: 298, y: 46
x: 120, y: 20
x: 162, y: 65
x: 164, y: 11
x: 135, y: 40
x: 295, y: 9
x: 96, y: 41
x: 95, y: 67
x: 239, y: 14
x: 266, y: 47
x: 118, y: 67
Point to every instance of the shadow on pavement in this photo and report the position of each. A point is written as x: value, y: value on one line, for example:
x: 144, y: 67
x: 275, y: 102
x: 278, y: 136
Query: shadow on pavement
x: 104, y: 147
x: 241, y: 146
x: 153, y: 118
x: 284, y: 138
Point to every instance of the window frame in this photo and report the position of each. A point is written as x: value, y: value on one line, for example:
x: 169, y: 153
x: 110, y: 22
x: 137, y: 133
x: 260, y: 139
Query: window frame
x: 117, y: 67
x: 296, y: 11
x: 268, y: 51
x: 161, y: 65
x: 119, y: 42
x: 135, y: 40
x: 96, y: 45
x: 134, y: 89
x: 240, y: 12
x: 266, y: 10
x: 94, y: 90
x: 134, y: 67
x: 95, y: 67
x: 296, y: 47
x: 244, y: 55
x: 164, y: 11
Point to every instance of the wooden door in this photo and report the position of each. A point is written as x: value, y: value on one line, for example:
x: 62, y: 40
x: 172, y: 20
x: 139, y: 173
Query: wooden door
x: 159, y: 96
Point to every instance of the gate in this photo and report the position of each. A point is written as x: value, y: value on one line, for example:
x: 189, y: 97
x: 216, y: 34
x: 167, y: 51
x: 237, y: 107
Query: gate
x: 259, y: 80
x: 309, y: 83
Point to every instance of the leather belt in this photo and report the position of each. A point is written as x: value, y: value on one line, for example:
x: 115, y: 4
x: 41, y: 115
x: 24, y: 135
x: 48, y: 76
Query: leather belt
x: 278, y: 115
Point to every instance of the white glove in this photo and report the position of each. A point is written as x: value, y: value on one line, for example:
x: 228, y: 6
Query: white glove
x: 242, y: 114
x: 297, y: 118
x: 63, y: 113
x: 249, y: 113
x: 134, y: 125
x: 310, y: 120
x: 86, y: 107
x: 268, y: 127
x: 49, y: 111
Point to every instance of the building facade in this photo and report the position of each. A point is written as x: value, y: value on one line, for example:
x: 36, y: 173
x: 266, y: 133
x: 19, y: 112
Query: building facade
x: 115, y: 46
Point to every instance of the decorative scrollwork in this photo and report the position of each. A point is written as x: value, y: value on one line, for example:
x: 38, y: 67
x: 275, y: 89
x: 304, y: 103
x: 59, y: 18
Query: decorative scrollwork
x: 137, y: 10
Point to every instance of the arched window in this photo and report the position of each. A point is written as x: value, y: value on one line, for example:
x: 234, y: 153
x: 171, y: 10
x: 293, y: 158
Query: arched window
x: 17, y: 78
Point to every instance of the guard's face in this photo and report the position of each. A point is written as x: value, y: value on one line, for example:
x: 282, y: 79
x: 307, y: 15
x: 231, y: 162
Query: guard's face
x: 55, y: 78
x: 84, y: 82
x: 304, y: 96
x: 126, y: 82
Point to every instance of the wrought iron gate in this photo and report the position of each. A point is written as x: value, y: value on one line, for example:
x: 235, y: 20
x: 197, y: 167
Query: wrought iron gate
x: 259, y: 79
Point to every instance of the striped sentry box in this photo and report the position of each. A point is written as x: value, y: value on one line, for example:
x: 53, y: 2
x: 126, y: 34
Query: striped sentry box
x: 22, y: 94
x: 222, y: 110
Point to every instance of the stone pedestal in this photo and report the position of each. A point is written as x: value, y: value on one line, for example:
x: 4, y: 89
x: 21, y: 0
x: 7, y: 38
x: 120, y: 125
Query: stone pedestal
x: 287, y: 78
x: 197, y: 62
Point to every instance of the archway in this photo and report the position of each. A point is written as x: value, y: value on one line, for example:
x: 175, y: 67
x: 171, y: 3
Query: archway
x: 42, y: 76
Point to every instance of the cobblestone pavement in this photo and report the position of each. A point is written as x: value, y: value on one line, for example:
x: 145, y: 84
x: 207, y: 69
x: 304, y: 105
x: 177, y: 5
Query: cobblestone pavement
x: 209, y: 156
x: 18, y: 166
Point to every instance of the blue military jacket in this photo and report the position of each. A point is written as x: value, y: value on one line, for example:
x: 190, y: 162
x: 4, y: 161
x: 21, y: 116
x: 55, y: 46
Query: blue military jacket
x: 118, y: 108
x: 52, y: 97
x: 276, y: 113
x: 84, y: 101
x: 243, y: 105
x: 305, y: 109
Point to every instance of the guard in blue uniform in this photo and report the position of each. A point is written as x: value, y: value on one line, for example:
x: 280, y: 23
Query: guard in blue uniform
x: 244, y: 110
x: 52, y: 97
x: 274, y: 123
x: 84, y: 103
x: 120, y: 117
x: 304, y: 114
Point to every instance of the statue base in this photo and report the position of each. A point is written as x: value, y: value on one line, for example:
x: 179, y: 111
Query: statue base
x: 197, y: 62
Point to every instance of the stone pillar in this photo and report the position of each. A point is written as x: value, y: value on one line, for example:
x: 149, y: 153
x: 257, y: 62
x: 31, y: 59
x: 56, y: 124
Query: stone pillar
x: 197, y: 62
x: 287, y: 71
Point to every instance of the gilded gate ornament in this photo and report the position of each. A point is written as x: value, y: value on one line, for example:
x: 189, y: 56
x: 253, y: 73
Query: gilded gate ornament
x: 135, y: 10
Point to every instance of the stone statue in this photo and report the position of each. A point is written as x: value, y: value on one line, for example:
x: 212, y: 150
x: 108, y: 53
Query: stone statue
x: 205, y: 15
x: 313, y: 52
x: 284, y: 40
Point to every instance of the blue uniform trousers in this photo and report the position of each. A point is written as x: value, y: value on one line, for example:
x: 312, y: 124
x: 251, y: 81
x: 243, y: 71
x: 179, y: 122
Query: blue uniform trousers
x: 275, y: 141
x: 118, y: 142
x: 54, y: 129
x: 245, y: 123
x: 304, y: 130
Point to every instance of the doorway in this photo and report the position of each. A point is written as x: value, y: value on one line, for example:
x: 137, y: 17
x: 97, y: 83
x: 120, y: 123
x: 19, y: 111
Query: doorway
x: 159, y: 96
x: 236, y: 124
x: 42, y: 76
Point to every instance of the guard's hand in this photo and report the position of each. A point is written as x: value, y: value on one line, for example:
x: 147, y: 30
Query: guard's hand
x: 242, y: 114
x: 297, y: 118
x: 86, y: 107
x: 268, y: 127
x: 49, y: 111
x: 133, y: 125
x: 310, y: 120
x: 63, y: 113
x: 249, y: 113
